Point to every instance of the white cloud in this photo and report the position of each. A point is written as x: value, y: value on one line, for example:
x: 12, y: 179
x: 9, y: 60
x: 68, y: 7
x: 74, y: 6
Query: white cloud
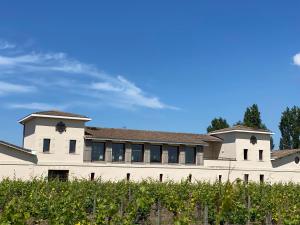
x: 36, y: 106
x: 105, y: 86
x: 85, y: 79
x: 296, y: 59
x: 7, y: 88
x: 6, y: 45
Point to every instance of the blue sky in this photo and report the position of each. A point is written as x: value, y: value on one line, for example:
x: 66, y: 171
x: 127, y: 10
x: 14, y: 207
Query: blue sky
x: 157, y: 65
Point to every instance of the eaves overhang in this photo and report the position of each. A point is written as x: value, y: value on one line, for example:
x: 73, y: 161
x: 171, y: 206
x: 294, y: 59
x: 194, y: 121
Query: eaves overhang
x: 31, y: 116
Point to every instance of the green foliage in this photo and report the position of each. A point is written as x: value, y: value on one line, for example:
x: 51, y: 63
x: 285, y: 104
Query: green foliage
x: 217, y: 124
x: 252, y: 117
x: 97, y: 202
x: 290, y: 128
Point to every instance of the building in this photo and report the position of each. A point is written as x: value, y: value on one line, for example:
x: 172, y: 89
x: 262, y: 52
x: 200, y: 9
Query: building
x: 59, y: 144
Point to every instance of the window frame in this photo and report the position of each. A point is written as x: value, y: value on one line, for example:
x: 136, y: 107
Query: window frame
x: 112, y: 152
x: 104, y: 152
x: 261, y: 178
x: 49, y: 144
x: 194, y: 157
x: 245, y: 154
x: 177, y: 150
x: 72, y: 151
x: 246, y: 178
x: 160, y: 149
x: 142, y: 152
x: 261, y: 155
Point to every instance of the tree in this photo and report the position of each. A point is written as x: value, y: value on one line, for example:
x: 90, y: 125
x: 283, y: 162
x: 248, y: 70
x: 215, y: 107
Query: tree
x: 217, y: 124
x: 252, y: 119
x: 290, y: 128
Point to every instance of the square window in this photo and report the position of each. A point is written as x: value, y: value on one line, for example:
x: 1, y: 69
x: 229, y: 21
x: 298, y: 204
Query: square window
x: 137, y: 153
x: 46, y: 145
x: 155, y: 153
x: 118, y: 152
x: 98, y: 151
x: 173, y: 154
x: 190, y: 155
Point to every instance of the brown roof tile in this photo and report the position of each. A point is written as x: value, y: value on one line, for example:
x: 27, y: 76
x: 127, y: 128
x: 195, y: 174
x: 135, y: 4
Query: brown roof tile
x: 240, y: 127
x: 277, y: 154
x: 149, y: 136
x: 15, y: 147
x: 59, y: 113
x: 53, y: 113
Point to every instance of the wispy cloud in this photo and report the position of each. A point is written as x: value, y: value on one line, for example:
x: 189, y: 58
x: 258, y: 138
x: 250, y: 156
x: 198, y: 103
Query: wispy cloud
x: 6, y: 45
x: 36, y: 106
x: 8, y: 88
x: 296, y: 59
x: 82, y: 80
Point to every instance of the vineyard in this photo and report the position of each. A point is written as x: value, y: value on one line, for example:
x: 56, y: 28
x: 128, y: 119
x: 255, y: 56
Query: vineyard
x: 148, y: 202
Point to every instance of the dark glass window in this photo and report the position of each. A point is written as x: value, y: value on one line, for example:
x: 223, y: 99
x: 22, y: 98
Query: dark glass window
x: 220, y: 178
x: 118, y: 152
x: 137, y: 153
x: 161, y: 177
x: 72, y: 146
x: 190, y: 155
x: 46, y: 145
x: 245, y: 154
x: 246, y: 178
x: 261, y: 155
x: 61, y: 175
x: 173, y: 154
x: 155, y: 153
x: 261, y: 178
x: 98, y: 151
x: 190, y: 178
x: 92, y: 176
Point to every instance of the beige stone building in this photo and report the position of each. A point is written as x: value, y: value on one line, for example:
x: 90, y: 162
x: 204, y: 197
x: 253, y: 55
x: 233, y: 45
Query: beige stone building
x: 59, y: 144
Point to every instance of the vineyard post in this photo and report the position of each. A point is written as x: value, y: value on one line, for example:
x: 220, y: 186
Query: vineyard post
x: 121, y: 208
x: 205, y: 215
x: 269, y: 218
x: 198, y: 211
x: 248, y: 208
x: 94, y: 207
x: 158, y: 221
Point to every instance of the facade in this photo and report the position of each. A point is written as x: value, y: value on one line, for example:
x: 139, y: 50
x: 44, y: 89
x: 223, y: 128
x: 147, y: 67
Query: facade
x: 59, y: 144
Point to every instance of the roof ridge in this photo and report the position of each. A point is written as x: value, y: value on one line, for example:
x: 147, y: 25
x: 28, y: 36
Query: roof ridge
x: 172, y: 132
x: 236, y: 127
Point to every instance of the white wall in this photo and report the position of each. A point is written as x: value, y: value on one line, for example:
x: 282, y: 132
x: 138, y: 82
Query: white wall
x: 59, y: 144
x: 228, y: 148
x: 114, y: 172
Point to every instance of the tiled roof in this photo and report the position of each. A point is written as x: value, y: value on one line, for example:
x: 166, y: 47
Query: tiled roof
x: 15, y: 147
x: 54, y: 114
x: 240, y: 127
x: 149, y: 136
x: 59, y: 113
x: 277, y: 154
